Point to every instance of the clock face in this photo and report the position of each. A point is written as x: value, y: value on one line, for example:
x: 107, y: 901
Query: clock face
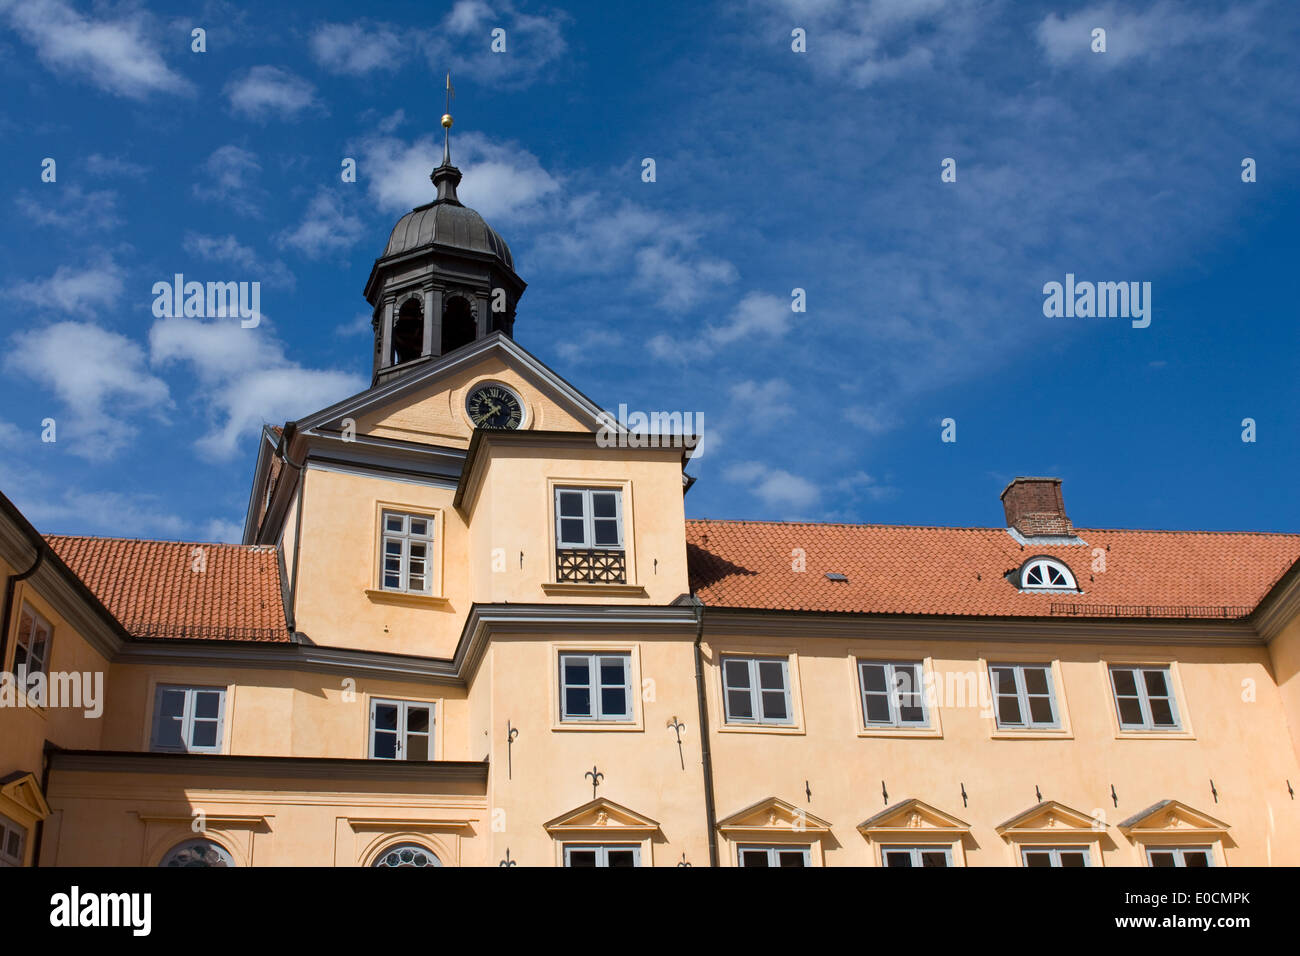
x: 494, y: 406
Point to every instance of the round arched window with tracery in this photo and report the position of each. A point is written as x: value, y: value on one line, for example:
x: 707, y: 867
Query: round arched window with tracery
x: 1046, y: 574
x: 198, y: 853
x: 407, y: 854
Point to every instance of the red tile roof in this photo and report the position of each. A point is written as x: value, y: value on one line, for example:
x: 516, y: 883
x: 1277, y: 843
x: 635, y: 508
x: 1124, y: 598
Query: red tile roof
x: 961, y: 571
x: 162, y: 588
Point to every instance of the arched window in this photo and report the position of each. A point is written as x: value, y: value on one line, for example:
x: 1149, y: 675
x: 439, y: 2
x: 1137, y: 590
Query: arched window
x: 1046, y: 574
x: 407, y: 854
x: 198, y: 853
x: 458, y: 326
x: 408, y: 332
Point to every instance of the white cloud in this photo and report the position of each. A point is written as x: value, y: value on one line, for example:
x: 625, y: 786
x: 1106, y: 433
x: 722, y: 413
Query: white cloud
x: 230, y: 250
x: 764, y: 402
x: 1132, y: 34
x: 589, y: 343
x: 244, y: 377
x: 231, y: 172
x: 326, y: 228
x: 70, y: 208
x: 359, y: 325
x: 776, y: 488
x: 73, y: 289
x: 100, y: 378
x: 757, y: 316
x: 119, y: 55
x: 99, y: 165
x: 356, y: 49
x: 219, y: 529
x: 534, y: 43
x: 264, y: 91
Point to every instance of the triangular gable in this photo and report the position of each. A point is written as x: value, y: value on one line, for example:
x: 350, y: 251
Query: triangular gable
x: 1171, y: 816
x: 23, y: 790
x: 394, y: 406
x: 601, y: 814
x: 1049, y: 816
x: 773, y: 814
x: 912, y: 816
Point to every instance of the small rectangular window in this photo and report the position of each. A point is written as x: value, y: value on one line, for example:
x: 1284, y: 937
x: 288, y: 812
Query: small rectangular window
x: 406, y: 553
x: 401, y: 729
x: 12, y: 840
x: 921, y: 856
x: 1069, y: 856
x: 188, y: 719
x: 1023, y: 695
x: 1193, y: 856
x: 775, y: 856
x: 1144, y: 698
x: 600, y: 854
x: 595, y: 686
x: 757, y: 690
x: 892, y: 694
x: 32, y: 654
x: 589, y: 518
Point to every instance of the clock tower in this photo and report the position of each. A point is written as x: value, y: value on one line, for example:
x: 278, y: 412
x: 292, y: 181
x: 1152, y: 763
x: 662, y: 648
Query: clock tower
x: 445, y: 279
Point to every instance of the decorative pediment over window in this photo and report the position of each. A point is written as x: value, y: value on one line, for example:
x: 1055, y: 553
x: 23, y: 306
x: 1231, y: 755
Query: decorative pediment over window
x: 774, y: 814
x: 1049, y: 817
x: 1172, y: 817
x: 913, y: 818
x: 22, y: 788
x: 603, y: 816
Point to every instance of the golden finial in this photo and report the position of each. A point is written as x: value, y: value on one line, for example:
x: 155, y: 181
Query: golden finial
x: 446, y: 123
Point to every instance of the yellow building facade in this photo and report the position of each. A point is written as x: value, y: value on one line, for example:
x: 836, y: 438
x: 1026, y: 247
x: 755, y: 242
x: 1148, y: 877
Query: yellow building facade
x: 470, y: 625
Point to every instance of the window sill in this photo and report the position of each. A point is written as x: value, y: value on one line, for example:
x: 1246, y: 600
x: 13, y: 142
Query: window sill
x: 1030, y: 734
x: 933, y: 732
x: 594, y: 590
x: 1154, y: 735
x: 600, y: 726
x: 760, y: 729
x: 411, y: 600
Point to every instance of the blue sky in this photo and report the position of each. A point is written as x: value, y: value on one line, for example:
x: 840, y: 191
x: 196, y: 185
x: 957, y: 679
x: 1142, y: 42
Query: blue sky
x: 775, y: 170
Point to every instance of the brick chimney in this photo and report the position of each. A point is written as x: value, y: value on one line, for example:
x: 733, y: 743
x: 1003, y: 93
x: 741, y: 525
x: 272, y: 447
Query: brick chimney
x: 1034, y: 507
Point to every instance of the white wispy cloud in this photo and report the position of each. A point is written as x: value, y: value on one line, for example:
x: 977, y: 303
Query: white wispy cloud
x: 98, y: 164
x: 326, y: 227
x: 779, y: 490
x: 118, y: 53
x: 1135, y: 34
x: 263, y: 92
x: 535, y: 42
x: 228, y: 249
x: 355, y: 49
x: 75, y: 289
x: 230, y: 176
x: 70, y: 208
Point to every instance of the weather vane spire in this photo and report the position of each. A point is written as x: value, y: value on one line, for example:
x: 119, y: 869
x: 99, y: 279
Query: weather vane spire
x: 446, y: 123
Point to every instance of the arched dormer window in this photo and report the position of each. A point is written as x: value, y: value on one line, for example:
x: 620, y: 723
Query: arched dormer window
x: 408, y: 331
x: 458, y: 325
x: 1046, y: 574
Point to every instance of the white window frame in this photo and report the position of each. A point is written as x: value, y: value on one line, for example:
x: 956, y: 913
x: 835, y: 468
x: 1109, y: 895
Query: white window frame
x: 1054, y: 853
x: 595, y: 686
x: 39, y: 623
x: 1045, y: 567
x: 1143, y: 697
x: 188, y: 719
x: 915, y: 852
x: 757, y: 711
x: 1180, y: 860
x: 1022, y: 697
x: 893, y: 694
x: 587, y: 542
x: 773, y: 851
x: 8, y: 828
x: 404, y: 539
x: 402, y: 733
x: 602, y: 851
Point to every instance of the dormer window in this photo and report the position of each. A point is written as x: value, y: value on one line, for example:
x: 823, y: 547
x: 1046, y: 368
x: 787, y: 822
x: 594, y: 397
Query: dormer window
x: 1046, y: 574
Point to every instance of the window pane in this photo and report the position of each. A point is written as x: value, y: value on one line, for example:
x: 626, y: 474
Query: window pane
x: 737, y: 673
x: 606, y: 532
x: 771, y: 675
x: 385, y: 744
x: 738, y: 705
x: 420, y: 527
x: 1008, y: 710
x: 1040, y: 710
x: 13, y: 844
x: 576, y: 670
x: 602, y: 504
x: 1036, y: 680
x: 1162, y: 714
x: 1038, y: 858
x: 877, y: 709
x: 1125, y: 682
x: 393, y: 523
x: 1156, y: 684
x: 1162, y: 858
x: 621, y: 858
x: 571, y: 531
x: 204, y: 733
x: 582, y: 858
x: 774, y: 705
x: 571, y: 504
x: 934, y: 858
x: 386, y: 717
x: 392, y: 548
x: 612, y: 671
x: 417, y: 719
x: 1197, y: 858
x: 898, y: 858
x: 873, y: 678
x: 417, y: 747
x: 418, y: 551
x: 577, y: 702
x: 392, y: 581
x: 1004, y: 680
x: 207, y: 703
x: 789, y: 857
x: 753, y: 858
x: 911, y: 714
x: 1130, y: 711
x: 613, y: 701
x: 1074, y: 858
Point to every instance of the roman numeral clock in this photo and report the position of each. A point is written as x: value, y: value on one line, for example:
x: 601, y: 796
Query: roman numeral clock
x: 494, y: 406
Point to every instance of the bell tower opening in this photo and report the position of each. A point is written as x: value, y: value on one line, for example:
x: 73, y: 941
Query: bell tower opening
x: 458, y: 325
x: 408, y: 332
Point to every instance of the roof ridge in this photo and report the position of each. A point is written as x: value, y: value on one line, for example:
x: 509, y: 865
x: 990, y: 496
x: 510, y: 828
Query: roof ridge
x: 205, y: 544
x: 948, y: 527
